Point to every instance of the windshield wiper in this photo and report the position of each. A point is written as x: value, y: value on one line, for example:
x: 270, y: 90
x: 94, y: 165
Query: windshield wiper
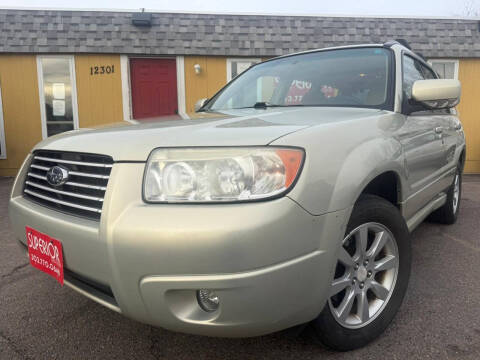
x: 263, y: 105
x: 259, y: 105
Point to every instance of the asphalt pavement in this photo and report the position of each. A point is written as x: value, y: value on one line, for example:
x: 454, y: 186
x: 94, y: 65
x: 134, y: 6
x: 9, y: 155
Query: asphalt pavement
x: 439, y: 319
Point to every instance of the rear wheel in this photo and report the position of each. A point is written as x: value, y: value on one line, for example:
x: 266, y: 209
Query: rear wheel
x: 371, y: 276
x: 448, y: 213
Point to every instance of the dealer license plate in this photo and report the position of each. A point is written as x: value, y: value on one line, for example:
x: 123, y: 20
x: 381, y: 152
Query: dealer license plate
x: 45, y: 253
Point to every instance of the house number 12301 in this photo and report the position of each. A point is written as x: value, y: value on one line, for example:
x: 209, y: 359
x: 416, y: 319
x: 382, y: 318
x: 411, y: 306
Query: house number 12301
x: 99, y: 70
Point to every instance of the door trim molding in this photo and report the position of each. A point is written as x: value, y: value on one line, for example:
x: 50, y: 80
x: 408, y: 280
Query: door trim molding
x: 180, y: 67
x: 126, y: 89
x: 3, y: 145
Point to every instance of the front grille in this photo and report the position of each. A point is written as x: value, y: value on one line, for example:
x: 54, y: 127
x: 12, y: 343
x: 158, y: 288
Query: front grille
x: 82, y: 194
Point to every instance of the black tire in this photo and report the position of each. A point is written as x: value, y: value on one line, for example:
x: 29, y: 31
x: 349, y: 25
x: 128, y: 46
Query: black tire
x: 326, y: 329
x: 448, y: 213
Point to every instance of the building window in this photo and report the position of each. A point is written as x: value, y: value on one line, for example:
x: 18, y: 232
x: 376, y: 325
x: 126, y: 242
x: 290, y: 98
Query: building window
x: 237, y: 66
x: 3, y: 148
x: 58, y: 101
x: 446, y: 69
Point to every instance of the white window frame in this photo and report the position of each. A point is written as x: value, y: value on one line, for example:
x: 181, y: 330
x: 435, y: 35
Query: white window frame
x: 450, y: 61
x: 229, y: 64
x: 3, y: 145
x: 41, y: 91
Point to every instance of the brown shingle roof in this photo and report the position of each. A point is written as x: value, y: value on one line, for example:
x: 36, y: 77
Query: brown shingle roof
x: 55, y: 31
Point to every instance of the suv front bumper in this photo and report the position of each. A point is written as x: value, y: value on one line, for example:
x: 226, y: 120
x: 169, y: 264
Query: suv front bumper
x: 270, y: 263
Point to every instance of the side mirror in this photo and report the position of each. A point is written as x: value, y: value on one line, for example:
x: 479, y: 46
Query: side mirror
x: 437, y: 93
x: 199, y: 104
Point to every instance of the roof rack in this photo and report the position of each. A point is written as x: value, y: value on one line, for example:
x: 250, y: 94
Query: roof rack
x: 402, y: 42
x: 420, y: 55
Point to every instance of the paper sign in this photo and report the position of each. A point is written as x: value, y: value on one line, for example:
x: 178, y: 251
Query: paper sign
x: 296, y: 92
x: 58, y: 107
x: 58, y: 90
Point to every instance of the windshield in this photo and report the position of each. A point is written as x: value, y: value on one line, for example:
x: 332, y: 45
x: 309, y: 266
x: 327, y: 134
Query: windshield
x: 345, y: 77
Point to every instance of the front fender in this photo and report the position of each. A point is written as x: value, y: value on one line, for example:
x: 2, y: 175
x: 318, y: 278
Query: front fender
x: 368, y: 161
x: 341, y: 160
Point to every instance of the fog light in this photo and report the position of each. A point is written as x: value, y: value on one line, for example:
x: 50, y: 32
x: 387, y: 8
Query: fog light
x: 208, y: 300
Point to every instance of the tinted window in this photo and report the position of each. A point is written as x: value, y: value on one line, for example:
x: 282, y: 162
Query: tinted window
x: 412, y: 71
x: 347, y: 77
x: 429, y: 74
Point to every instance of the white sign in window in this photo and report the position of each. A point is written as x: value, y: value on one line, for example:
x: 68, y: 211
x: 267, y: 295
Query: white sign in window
x: 58, y: 107
x: 3, y: 147
x: 58, y: 101
x: 58, y: 91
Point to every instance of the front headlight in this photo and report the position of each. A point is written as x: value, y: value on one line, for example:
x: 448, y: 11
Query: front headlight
x: 220, y: 174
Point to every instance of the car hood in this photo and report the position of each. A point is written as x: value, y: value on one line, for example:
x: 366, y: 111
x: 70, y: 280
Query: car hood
x: 247, y: 127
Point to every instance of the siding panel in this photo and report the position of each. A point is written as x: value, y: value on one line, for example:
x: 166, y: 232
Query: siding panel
x: 469, y: 75
x: 21, y: 109
x: 204, y: 85
x: 99, y: 96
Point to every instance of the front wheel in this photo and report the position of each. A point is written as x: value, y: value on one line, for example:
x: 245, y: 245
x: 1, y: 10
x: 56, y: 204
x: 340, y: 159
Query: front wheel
x: 371, y: 276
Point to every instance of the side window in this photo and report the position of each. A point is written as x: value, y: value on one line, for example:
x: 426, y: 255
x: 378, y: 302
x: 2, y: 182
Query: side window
x: 412, y: 71
x: 429, y: 74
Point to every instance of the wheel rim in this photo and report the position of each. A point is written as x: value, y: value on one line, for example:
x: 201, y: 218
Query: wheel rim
x: 456, y: 193
x: 365, y: 275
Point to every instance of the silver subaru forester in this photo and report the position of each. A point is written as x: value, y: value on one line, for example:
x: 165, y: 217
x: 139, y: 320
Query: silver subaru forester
x: 286, y: 199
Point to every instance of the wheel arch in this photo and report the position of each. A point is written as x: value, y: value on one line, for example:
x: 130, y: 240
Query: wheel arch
x: 462, y: 159
x: 369, y: 171
x: 386, y: 185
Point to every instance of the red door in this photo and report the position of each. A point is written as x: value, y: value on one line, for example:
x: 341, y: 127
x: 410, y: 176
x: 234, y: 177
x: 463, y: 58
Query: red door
x: 154, y: 87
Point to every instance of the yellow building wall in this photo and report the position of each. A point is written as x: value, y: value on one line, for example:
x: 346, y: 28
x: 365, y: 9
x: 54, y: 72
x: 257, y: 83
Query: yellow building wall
x: 21, y: 109
x: 99, y: 96
x: 100, y: 99
x: 204, y: 85
x: 469, y: 111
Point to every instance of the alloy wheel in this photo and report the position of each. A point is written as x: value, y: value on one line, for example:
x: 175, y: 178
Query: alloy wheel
x: 365, y: 275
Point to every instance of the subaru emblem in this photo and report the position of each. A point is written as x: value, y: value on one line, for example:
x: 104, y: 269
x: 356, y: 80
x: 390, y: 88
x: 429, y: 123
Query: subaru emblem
x: 57, y: 176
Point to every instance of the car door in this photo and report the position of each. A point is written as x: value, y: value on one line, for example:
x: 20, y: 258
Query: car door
x: 451, y: 127
x: 448, y: 126
x: 422, y: 139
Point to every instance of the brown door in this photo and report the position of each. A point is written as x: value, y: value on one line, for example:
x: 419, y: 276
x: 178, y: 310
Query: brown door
x: 154, y: 87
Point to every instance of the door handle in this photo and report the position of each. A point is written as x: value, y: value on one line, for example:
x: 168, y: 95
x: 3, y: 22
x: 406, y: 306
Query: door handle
x: 439, y: 130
